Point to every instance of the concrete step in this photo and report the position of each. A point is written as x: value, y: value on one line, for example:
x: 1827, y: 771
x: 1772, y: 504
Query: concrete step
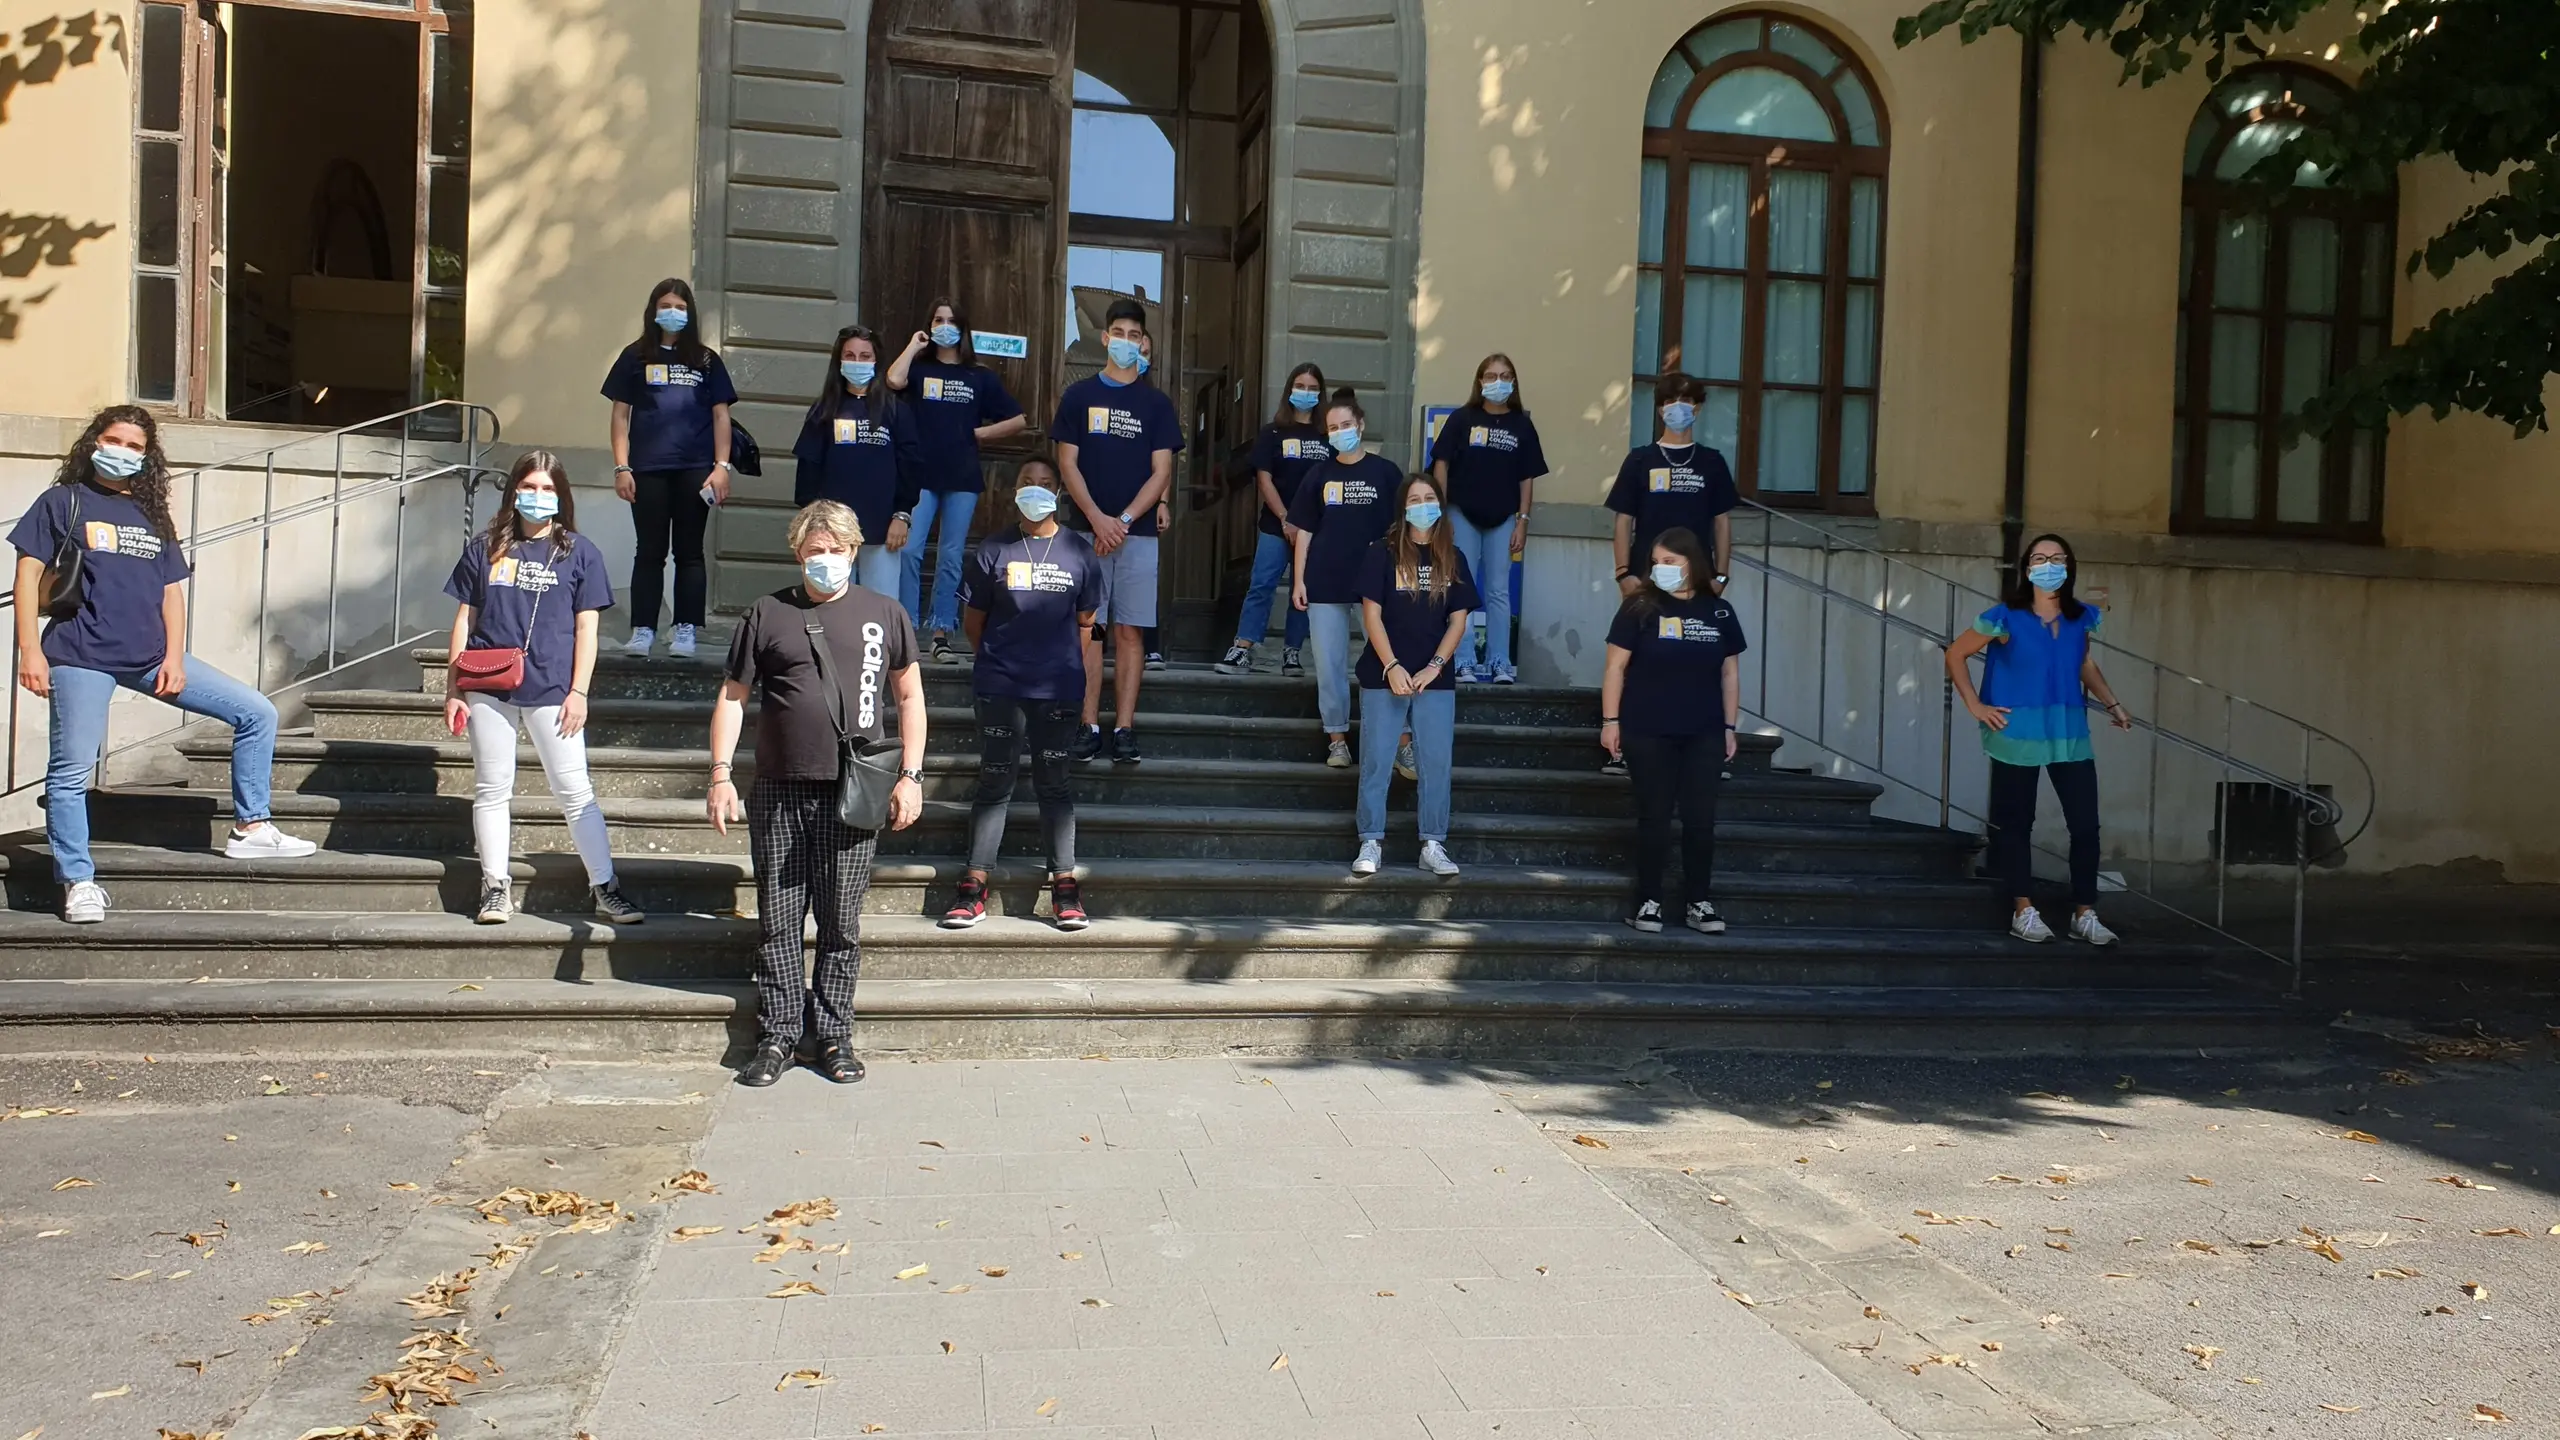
x: 672, y: 724
x: 684, y: 949
x: 1180, y: 689
x: 987, y: 1017
x: 443, y: 767
x: 442, y: 824
x: 151, y: 878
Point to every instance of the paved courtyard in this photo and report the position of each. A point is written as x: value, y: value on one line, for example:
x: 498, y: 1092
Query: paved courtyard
x: 1159, y: 1250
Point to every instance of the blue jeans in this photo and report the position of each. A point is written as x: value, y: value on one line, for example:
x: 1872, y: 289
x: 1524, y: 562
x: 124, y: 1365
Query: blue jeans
x: 1432, y: 716
x: 1271, y: 559
x: 1488, y: 555
x: 957, y: 508
x: 1329, y: 631
x: 80, y: 731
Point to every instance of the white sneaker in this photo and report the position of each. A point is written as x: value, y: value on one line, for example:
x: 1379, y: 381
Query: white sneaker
x: 1437, y: 861
x: 2029, y: 926
x: 1701, y: 916
x: 263, y: 841
x: 1648, y: 917
x: 1371, y: 854
x: 2085, y: 926
x: 680, y: 644
x: 1337, y: 753
x: 85, y: 903
x: 640, y: 642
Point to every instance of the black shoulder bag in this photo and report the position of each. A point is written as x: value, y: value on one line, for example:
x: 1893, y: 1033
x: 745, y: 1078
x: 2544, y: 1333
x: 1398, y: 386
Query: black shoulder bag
x: 65, y: 581
x: 866, y: 775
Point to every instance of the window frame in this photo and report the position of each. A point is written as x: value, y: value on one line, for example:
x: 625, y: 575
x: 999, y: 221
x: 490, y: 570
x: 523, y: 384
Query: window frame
x: 2206, y: 204
x: 1842, y: 162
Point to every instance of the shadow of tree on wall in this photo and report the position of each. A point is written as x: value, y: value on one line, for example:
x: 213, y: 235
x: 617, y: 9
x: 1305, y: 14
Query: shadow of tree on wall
x: 40, y: 54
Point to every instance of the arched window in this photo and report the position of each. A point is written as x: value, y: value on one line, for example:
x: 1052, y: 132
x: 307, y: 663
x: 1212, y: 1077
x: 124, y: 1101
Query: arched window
x: 1761, y: 254
x: 2274, y: 302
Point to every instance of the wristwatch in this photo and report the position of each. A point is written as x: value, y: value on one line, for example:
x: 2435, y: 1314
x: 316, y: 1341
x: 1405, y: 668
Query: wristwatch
x: 915, y: 775
x: 1722, y: 581
x: 1127, y: 518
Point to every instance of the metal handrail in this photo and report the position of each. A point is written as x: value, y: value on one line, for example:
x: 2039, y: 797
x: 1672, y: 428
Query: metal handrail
x: 2311, y: 806
x: 399, y: 482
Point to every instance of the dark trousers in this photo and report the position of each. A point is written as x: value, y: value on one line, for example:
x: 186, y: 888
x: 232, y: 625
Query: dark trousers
x: 1675, y: 773
x: 664, y: 501
x: 2013, y: 821
x: 807, y: 859
x: 1051, y: 726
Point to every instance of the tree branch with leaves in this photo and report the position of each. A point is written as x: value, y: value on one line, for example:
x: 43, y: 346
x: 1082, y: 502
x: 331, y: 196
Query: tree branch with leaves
x: 2475, y: 82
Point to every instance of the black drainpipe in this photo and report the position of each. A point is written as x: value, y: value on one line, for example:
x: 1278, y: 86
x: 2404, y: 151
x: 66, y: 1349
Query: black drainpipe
x: 2022, y: 294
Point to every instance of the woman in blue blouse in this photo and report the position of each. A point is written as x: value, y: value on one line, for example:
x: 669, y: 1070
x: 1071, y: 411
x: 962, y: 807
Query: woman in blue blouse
x: 2036, y: 663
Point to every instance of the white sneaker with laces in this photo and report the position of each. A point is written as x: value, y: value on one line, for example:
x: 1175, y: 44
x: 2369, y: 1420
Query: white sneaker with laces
x: 680, y: 644
x: 2085, y: 926
x: 2029, y: 926
x: 85, y: 903
x: 642, y: 640
x: 1337, y: 753
x: 1648, y: 917
x: 1369, y: 858
x: 1408, y: 764
x: 1437, y: 861
x: 263, y: 841
x: 1701, y: 916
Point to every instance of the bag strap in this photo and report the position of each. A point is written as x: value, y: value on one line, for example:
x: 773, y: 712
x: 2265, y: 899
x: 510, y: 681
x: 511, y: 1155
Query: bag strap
x: 827, y: 678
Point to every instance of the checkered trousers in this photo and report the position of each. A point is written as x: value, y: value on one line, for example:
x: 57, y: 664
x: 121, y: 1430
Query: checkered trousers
x: 806, y: 858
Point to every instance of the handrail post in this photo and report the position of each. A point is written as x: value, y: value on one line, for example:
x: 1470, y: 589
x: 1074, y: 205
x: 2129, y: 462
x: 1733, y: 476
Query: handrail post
x: 337, y: 519
x: 1947, y: 716
x: 2222, y: 825
x: 266, y: 552
x: 2301, y: 866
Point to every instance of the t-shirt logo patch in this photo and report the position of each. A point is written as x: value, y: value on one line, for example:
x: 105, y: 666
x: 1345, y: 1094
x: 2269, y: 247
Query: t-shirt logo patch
x: 657, y: 374
x: 102, y: 535
x: 932, y: 388
x: 503, y: 572
x: 1017, y: 575
x: 1290, y: 450
x: 848, y: 431
x: 1333, y: 492
x: 1668, y: 628
x: 1039, y: 575
x: 1659, y: 482
x: 108, y: 538
x: 1476, y: 434
x: 1097, y: 420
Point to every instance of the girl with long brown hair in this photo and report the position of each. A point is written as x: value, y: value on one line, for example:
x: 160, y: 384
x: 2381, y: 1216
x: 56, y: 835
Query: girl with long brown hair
x: 1415, y: 592
x: 1486, y: 460
x: 670, y: 436
x: 1286, y: 451
x: 1669, y: 701
x: 956, y: 404
x: 533, y: 585
x: 98, y: 556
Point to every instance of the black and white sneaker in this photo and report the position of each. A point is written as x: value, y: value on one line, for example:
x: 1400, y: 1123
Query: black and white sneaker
x: 1124, y: 747
x: 1290, y: 664
x: 1702, y: 917
x: 1155, y: 659
x: 1614, y: 765
x: 612, y: 905
x: 1648, y: 918
x: 497, y: 902
x: 1088, y: 746
x: 1237, y: 661
x: 942, y: 651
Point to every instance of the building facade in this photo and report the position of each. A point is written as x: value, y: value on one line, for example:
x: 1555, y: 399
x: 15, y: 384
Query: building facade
x: 260, y: 216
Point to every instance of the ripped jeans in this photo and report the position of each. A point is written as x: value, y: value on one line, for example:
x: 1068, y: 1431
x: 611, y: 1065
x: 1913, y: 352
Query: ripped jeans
x: 1053, y: 727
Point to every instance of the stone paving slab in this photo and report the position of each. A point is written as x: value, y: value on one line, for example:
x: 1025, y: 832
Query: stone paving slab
x: 1165, y: 1249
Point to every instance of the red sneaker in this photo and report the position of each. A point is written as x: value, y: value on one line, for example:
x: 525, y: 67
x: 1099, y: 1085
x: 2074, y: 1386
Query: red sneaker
x: 968, y: 907
x: 1066, y: 903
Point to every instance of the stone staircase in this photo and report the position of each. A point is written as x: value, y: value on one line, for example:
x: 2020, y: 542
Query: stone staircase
x: 1218, y: 871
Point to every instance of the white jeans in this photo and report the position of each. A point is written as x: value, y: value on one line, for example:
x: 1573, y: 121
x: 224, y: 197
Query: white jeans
x: 492, y: 727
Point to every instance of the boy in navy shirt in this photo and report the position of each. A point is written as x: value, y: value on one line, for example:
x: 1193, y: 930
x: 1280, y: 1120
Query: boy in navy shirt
x: 1116, y: 439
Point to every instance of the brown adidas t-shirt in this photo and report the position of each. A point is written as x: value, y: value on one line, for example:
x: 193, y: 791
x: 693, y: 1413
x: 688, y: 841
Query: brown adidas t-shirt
x: 869, y: 640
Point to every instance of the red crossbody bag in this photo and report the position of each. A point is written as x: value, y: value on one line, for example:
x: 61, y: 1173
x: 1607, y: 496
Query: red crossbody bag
x: 494, y: 668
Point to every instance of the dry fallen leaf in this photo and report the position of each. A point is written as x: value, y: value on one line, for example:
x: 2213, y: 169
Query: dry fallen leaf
x: 119, y: 1391
x: 2360, y: 1137
x: 1095, y: 1304
x: 1741, y: 1299
x: 2050, y: 1321
x: 1046, y: 1407
x: 2475, y: 1289
x: 2204, y: 1354
x: 2017, y: 1250
x: 74, y: 1183
x: 913, y: 1272
x: 1282, y: 1363
x: 2057, y: 1245
x: 1070, y: 1254
x: 694, y: 1232
x: 946, y: 1347
x: 961, y: 1289
x: 2198, y: 1245
x: 810, y: 1378
x: 873, y: 1429
x: 796, y: 1287
x: 2342, y: 1409
x: 693, y: 1180
x: 995, y: 1272
x: 2501, y: 1230
x: 1590, y: 1142
x: 2393, y: 1273
x: 2489, y: 1413
x: 936, y: 1144
x: 306, y: 1247
x: 2198, y: 1180
x: 1873, y: 1313
x: 1991, y: 1345
x: 404, y: 1185
x: 2457, y: 1182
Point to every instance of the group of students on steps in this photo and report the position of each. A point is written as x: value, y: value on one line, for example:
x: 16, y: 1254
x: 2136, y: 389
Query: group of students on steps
x: 1404, y: 560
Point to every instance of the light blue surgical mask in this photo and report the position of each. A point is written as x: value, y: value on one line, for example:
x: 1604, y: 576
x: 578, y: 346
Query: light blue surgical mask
x: 1498, y: 391
x: 945, y: 335
x: 2048, y: 576
x: 1035, y: 502
x: 859, y: 372
x: 1124, y: 353
x: 1144, y: 364
x: 1303, y: 401
x: 1424, y: 513
x: 537, y: 506
x: 1345, y: 440
x: 1679, y: 415
x: 828, y: 572
x: 672, y: 320
x: 116, y: 462
x: 1670, y: 577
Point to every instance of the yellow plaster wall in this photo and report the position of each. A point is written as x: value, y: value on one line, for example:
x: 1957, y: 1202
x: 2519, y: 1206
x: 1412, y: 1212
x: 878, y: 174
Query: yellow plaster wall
x: 66, y: 158
x: 582, y: 190
x: 1536, y: 115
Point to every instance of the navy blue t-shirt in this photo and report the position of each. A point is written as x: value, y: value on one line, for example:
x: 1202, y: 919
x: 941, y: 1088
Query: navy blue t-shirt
x: 1675, y: 665
x: 948, y: 403
x: 1667, y: 487
x: 1033, y: 592
x: 1344, y: 508
x: 865, y: 457
x: 125, y: 568
x: 1287, y: 453
x: 1489, y: 456
x: 670, y: 405
x: 1415, y: 623
x: 504, y: 592
x: 1116, y: 430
